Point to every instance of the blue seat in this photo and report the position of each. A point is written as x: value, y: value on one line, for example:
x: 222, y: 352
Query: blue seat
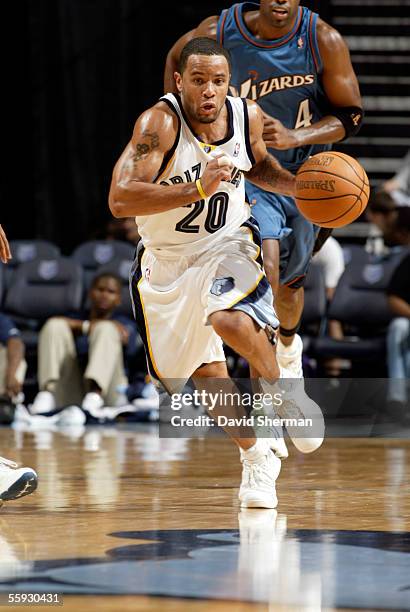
x: 360, y: 304
x: 93, y: 254
x: 24, y: 251
x: 40, y: 289
x: 44, y: 288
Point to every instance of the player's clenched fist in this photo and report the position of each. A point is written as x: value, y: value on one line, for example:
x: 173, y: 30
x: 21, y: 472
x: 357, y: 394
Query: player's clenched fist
x: 217, y: 170
x: 276, y: 135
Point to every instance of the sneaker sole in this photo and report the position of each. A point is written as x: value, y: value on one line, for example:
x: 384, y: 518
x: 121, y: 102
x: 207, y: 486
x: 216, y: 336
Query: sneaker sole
x: 259, y: 503
x: 26, y: 484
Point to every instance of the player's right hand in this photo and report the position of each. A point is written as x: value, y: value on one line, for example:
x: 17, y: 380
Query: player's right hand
x: 217, y: 170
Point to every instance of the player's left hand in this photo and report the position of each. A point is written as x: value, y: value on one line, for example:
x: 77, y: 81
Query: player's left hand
x: 276, y: 135
x: 5, y: 253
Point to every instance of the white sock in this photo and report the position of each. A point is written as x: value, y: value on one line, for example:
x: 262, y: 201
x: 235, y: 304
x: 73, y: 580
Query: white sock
x: 287, y: 350
x: 284, y: 372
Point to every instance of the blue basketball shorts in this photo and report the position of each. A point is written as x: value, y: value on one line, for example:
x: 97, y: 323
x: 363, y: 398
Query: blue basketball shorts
x: 279, y: 219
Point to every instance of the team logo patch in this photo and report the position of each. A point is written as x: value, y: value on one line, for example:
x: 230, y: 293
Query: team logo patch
x: 26, y: 252
x: 222, y: 285
x: 373, y: 273
x: 103, y: 253
x: 355, y: 118
x: 207, y: 147
x: 48, y: 269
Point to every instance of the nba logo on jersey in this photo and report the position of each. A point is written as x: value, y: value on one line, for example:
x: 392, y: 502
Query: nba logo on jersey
x: 300, y: 43
x: 237, y: 149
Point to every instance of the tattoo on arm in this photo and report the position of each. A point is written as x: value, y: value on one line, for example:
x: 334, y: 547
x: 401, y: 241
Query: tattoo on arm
x: 270, y: 175
x: 265, y: 171
x: 142, y: 149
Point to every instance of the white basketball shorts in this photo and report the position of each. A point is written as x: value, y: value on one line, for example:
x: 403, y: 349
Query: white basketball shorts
x: 173, y: 299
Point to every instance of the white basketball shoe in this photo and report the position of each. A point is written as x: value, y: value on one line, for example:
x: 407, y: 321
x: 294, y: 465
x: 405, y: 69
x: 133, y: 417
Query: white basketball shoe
x: 290, y: 357
x: 15, y: 482
x: 303, y: 418
x: 270, y: 432
x: 260, y: 469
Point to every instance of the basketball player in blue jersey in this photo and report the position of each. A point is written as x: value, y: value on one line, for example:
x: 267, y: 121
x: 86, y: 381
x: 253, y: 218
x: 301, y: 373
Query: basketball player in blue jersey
x: 197, y: 279
x: 298, y: 69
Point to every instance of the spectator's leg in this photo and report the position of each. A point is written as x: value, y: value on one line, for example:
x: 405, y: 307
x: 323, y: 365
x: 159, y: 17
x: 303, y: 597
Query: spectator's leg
x: 58, y: 369
x: 397, y: 358
x: 105, y: 367
x: 20, y: 372
x: 3, y: 366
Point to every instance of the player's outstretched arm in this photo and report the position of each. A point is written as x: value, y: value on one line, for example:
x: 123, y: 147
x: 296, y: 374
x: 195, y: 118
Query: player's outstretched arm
x: 342, y: 91
x: 5, y: 253
x: 205, y: 28
x: 133, y: 191
x: 267, y: 172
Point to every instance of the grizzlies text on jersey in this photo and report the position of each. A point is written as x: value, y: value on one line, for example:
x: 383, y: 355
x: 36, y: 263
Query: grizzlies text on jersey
x: 193, y: 228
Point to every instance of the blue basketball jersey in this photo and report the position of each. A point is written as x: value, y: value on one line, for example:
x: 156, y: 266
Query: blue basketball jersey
x: 282, y: 75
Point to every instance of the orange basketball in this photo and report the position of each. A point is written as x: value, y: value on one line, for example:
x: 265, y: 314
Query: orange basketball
x: 332, y: 189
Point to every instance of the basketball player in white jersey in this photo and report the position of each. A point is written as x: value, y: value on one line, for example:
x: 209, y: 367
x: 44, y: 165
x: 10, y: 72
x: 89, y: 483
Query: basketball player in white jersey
x: 15, y: 482
x: 198, y: 280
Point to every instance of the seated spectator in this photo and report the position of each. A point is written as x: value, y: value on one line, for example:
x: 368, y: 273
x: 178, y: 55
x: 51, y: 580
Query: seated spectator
x: 81, y: 357
x: 12, y: 364
x: 330, y: 259
x: 382, y: 212
x: 125, y: 230
x: 398, y: 336
x: 399, y: 185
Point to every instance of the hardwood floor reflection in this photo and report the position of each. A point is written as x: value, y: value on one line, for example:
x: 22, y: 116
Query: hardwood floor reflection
x: 107, y: 481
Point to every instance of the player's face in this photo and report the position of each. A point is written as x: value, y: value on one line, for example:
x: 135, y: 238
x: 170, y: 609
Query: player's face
x: 105, y: 295
x: 204, y: 86
x: 279, y: 13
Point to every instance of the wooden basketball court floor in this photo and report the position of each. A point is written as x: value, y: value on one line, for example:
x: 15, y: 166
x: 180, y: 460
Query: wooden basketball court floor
x: 123, y: 520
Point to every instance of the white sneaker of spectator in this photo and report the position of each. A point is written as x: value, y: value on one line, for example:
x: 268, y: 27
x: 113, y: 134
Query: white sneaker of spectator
x: 43, y: 402
x: 93, y: 403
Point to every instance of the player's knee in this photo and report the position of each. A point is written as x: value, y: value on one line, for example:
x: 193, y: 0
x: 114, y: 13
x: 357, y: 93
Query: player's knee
x: 289, y: 297
x: 227, y: 324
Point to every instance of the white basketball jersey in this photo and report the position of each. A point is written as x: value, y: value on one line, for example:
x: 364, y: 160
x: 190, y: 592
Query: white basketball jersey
x: 193, y: 228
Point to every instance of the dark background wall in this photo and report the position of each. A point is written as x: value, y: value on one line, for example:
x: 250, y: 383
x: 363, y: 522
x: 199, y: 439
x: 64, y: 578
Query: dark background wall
x: 75, y: 77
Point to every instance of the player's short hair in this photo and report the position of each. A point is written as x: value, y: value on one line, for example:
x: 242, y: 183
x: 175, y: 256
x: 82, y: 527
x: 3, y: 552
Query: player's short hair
x: 101, y: 275
x: 202, y: 46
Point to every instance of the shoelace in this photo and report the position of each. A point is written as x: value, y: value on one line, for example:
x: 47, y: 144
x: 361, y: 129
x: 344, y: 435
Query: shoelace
x: 256, y: 474
x: 7, y: 462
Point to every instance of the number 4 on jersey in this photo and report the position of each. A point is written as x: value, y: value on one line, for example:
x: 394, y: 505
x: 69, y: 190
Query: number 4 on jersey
x: 304, y: 118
